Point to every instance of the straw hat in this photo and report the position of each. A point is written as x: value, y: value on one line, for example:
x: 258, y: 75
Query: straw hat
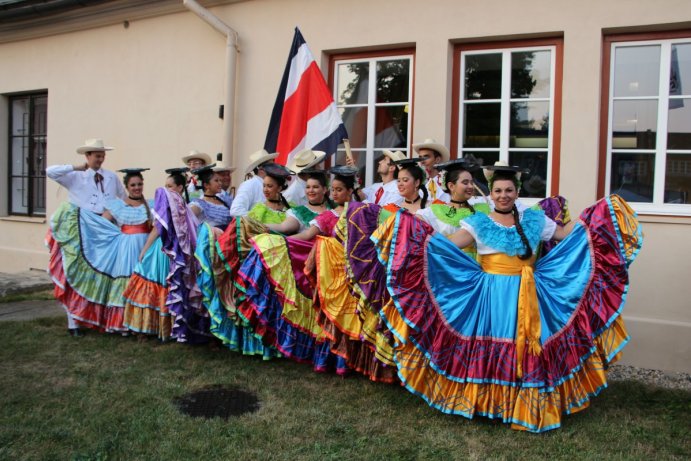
x: 394, y: 156
x: 430, y: 143
x: 501, y: 165
x: 305, y: 159
x: 196, y: 154
x: 93, y: 145
x: 257, y: 158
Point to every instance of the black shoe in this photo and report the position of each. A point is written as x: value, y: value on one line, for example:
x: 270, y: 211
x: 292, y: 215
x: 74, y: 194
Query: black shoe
x: 75, y: 332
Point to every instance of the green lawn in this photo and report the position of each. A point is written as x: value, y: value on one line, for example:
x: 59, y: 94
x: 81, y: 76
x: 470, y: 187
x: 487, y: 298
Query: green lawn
x: 109, y: 397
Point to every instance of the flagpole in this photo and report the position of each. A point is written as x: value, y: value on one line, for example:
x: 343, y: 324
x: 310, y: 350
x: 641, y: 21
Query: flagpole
x: 349, y: 153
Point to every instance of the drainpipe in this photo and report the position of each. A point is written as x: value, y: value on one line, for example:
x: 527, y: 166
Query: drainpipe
x: 232, y: 50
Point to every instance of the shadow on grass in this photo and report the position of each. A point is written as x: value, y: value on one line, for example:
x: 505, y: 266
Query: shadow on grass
x: 109, y: 397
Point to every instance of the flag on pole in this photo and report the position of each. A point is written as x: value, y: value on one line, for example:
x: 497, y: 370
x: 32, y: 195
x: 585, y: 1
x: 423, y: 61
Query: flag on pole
x: 304, y: 115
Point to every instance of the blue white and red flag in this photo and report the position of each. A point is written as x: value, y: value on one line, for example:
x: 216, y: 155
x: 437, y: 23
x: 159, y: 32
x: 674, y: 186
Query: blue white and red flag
x: 304, y: 115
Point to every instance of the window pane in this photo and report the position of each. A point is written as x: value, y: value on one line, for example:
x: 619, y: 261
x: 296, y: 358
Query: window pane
x: 481, y: 125
x: 637, y: 70
x: 359, y: 157
x: 392, y: 80
x: 481, y: 158
x: 534, y: 182
x: 355, y: 121
x: 352, y: 83
x: 530, y: 74
x: 680, y: 70
x: 40, y: 115
x: 20, y: 151
x: 678, y: 178
x: 634, y: 124
x: 529, y: 124
x: 20, y: 117
x: 391, y: 127
x: 632, y: 176
x: 483, y: 76
x: 19, y: 199
x: 679, y: 124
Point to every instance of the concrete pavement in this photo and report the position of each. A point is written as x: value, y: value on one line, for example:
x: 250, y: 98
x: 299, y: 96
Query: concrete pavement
x: 27, y: 282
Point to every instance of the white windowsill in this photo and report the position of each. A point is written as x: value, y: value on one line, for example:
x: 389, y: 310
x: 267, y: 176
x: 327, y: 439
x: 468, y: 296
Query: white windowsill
x: 27, y: 219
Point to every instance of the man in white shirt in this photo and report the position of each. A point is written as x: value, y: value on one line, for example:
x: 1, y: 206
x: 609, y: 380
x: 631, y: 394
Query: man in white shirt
x: 89, y: 187
x: 433, y: 153
x: 194, y: 160
x: 385, y: 192
x: 251, y: 191
x: 295, y: 194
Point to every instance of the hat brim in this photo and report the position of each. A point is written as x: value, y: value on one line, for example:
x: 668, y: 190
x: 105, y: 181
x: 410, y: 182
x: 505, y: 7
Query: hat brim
x: 488, y: 171
x: 220, y: 169
x: 259, y: 161
x: 319, y: 158
x: 441, y: 148
x: 86, y: 149
x: 200, y: 156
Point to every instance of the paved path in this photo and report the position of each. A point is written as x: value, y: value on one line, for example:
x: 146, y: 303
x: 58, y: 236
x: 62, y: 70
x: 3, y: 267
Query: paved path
x: 27, y: 282
x: 29, y: 310
x: 24, y: 282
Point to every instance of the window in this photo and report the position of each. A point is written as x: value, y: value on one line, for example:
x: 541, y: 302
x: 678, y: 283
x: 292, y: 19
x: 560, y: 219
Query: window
x: 507, y: 99
x: 374, y: 98
x: 27, y: 154
x: 648, y: 121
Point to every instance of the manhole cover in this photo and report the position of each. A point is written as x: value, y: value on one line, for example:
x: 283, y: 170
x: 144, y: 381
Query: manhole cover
x: 217, y: 402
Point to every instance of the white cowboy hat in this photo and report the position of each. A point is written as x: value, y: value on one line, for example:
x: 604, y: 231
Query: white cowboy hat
x: 196, y: 154
x: 430, y: 143
x: 501, y: 165
x: 257, y: 158
x: 221, y: 165
x: 394, y: 156
x: 305, y: 159
x: 93, y: 145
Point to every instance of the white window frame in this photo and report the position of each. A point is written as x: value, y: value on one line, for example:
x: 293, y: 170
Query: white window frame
x: 657, y: 206
x: 505, y: 115
x: 372, y: 105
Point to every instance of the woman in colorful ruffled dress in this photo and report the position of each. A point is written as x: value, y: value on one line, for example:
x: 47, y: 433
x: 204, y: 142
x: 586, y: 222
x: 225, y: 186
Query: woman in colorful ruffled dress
x: 99, y: 254
x: 232, y: 247
x: 509, y: 338
x: 146, y: 312
x: 338, y: 309
x: 278, y: 293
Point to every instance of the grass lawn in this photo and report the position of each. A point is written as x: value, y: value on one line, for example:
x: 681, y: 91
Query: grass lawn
x: 108, y: 397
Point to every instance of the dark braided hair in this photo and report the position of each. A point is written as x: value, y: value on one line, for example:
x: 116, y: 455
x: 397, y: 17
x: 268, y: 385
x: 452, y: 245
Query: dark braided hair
x: 126, y: 180
x: 418, y: 175
x: 180, y: 180
x: 510, y: 176
x: 528, y: 250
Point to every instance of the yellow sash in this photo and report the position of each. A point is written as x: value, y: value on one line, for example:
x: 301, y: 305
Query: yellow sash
x: 528, y: 319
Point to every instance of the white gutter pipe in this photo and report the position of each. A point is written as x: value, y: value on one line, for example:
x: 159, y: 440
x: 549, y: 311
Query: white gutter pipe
x: 232, y: 50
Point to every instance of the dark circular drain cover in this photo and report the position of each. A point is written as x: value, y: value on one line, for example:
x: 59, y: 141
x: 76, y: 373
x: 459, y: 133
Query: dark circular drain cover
x: 217, y: 402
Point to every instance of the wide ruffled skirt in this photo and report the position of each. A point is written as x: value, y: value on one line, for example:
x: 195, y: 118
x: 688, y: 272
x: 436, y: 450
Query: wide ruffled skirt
x: 145, y: 296
x: 278, y: 301
x: 91, y: 261
x: 348, y: 321
x: 456, y: 325
x: 222, y: 256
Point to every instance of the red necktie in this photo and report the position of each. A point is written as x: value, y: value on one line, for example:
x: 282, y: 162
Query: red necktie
x: 98, y: 179
x: 378, y: 195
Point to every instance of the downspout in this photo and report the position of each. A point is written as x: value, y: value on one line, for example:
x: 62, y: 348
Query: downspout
x: 232, y: 50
